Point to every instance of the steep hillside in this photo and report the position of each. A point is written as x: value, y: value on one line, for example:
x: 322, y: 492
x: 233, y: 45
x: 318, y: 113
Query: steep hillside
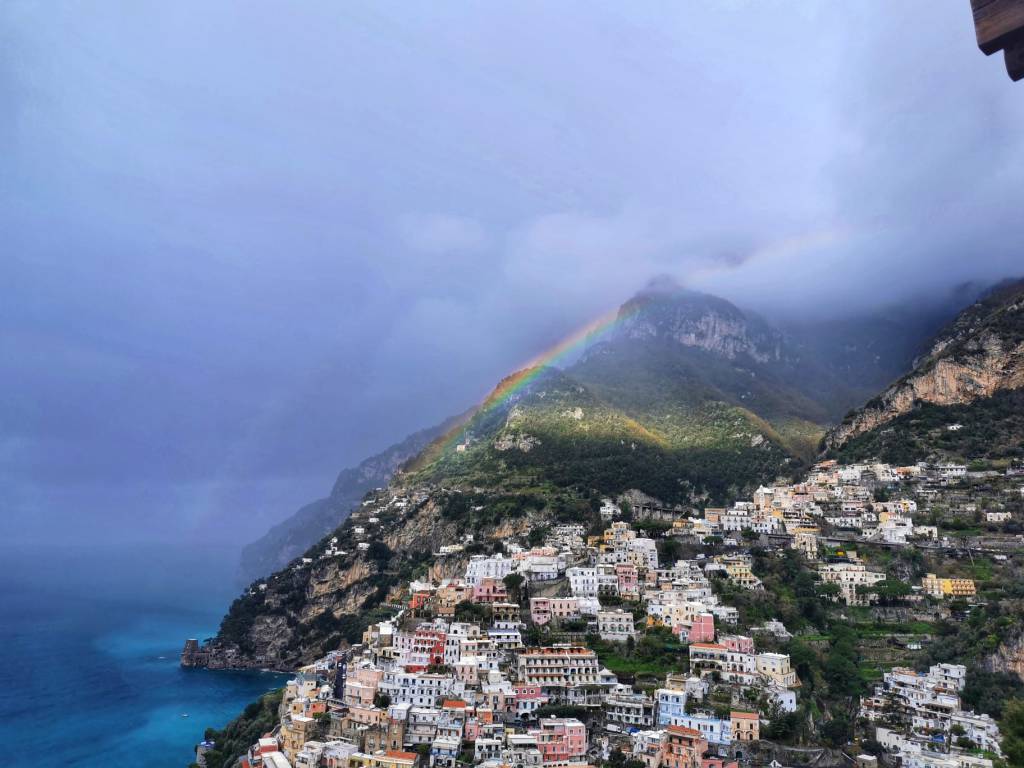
x: 969, y: 374
x: 556, y: 431
x: 294, y: 535
x: 986, y: 428
x: 332, y: 594
x: 688, y: 400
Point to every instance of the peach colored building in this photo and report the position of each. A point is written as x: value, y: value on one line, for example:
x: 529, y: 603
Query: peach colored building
x: 629, y: 582
x: 684, y: 747
x: 738, y: 643
x: 746, y: 726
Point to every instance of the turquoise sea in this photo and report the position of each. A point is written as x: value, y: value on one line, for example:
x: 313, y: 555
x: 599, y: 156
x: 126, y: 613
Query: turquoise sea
x: 89, y: 669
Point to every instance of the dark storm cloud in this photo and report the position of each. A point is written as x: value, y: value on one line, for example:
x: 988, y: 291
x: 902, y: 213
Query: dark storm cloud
x: 243, y: 247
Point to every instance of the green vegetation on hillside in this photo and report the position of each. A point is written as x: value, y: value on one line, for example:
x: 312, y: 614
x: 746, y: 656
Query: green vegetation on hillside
x: 991, y: 428
x: 236, y: 737
x: 558, y: 432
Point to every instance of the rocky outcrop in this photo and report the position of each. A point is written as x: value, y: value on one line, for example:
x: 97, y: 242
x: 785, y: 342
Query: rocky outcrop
x: 1008, y: 657
x: 978, y: 355
x: 701, y: 321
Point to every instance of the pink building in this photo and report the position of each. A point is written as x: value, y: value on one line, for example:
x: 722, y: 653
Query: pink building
x: 738, y: 643
x: 561, y: 739
x: 489, y: 590
x: 629, y: 583
x: 544, y: 609
x: 718, y: 762
x: 529, y: 698
x: 475, y: 723
x: 702, y: 630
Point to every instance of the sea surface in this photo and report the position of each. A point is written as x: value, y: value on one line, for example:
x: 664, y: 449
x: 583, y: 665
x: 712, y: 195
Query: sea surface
x: 90, y: 639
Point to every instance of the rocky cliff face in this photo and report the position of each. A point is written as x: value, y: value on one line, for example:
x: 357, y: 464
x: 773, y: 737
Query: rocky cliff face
x: 979, y: 354
x: 1008, y: 657
x: 700, y: 321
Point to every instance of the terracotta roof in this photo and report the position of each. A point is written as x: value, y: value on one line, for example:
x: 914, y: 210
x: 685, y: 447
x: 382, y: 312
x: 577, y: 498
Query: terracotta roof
x: 453, y: 704
x: 401, y: 755
x: 745, y: 715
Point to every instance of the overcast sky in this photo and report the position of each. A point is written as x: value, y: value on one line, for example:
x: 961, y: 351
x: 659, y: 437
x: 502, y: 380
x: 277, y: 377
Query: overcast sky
x: 247, y: 244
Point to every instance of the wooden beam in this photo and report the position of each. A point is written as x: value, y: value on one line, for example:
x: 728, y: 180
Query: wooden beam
x: 996, y: 22
x: 1015, y: 60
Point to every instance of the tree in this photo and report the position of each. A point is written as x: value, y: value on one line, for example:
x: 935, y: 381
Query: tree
x: 888, y: 590
x: 872, y: 747
x: 379, y: 552
x: 514, y: 583
x: 836, y: 732
x: 829, y: 590
x: 1012, y: 728
x: 784, y: 727
x: 472, y: 612
x: 669, y: 550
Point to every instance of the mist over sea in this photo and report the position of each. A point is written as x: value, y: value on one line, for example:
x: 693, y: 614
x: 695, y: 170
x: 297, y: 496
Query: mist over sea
x: 90, y: 640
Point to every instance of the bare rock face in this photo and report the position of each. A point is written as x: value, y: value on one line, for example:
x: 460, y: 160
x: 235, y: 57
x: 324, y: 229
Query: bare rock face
x: 1008, y: 657
x: 979, y: 354
x: 508, y: 442
x: 697, y: 320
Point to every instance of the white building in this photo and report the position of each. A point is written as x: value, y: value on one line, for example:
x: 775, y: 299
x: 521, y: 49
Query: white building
x: 483, y: 567
x: 583, y: 581
x: 615, y: 625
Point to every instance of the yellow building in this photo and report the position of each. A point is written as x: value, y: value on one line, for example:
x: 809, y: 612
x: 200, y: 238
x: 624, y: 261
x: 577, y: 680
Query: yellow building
x: 737, y: 567
x: 618, y: 533
x: 296, y: 730
x: 943, y: 588
x: 806, y: 540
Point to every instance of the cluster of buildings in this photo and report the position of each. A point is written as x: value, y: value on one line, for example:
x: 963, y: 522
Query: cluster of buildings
x: 452, y: 679
x: 918, y: 716
x: 430, y: 687
x: 840, y: 497
x: 374, y: 706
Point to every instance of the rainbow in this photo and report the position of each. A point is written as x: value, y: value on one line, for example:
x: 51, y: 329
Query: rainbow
x: 593, y: 331
x: 597, y: 329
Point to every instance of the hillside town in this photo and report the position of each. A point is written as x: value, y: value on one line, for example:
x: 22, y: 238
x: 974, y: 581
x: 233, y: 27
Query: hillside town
x: 646, y: 642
